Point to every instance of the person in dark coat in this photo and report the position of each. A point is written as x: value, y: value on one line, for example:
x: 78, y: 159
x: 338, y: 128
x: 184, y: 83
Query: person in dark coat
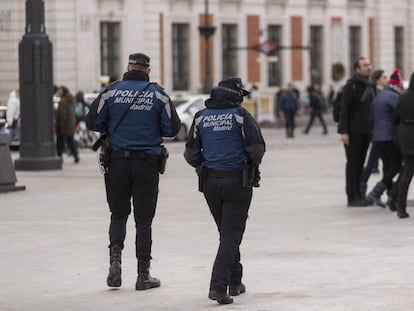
x: 383, y: 109
x: 404, y: 116
x: 289, y: 105
x: 315, y: 103
x: 355, y: 127
x: 66, y: 123
x: 226, y: 146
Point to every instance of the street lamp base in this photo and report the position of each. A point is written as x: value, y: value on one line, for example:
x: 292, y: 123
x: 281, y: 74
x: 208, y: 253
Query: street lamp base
x: 38, y: 164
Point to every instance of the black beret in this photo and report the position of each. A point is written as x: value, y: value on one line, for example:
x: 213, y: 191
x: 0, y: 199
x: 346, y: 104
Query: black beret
x: 139, y: 59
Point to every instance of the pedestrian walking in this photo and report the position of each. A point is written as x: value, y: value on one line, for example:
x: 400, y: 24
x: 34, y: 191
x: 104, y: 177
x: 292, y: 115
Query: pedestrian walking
x: 380, y: 79
x: 289, y: 104
x: 404, y: 117
x: 13, y: 115
x: 135, y: 115
x: 355, y: 127
x: 226, y: 146
x: 66, y: 123
x: 315, y: 104
x: 383, y: 131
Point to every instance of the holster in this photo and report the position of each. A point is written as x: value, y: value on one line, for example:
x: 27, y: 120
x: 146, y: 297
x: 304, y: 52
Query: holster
x: 104, y: 153
x: 162, y: 160
x: 251, y: 175
x: 202, y: 173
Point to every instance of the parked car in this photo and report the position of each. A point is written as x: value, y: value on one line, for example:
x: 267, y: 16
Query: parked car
x: 186, y: 109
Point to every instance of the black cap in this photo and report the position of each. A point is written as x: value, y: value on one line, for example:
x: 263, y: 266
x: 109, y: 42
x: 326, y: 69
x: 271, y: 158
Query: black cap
x: 139, y: 59
x: 235, y: 84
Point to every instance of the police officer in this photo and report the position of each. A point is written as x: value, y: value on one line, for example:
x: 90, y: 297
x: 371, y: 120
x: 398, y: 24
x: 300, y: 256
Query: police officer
x: 226, y: 146
x: 136, y: 115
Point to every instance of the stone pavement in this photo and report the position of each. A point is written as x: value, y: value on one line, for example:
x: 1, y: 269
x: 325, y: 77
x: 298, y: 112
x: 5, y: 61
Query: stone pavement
x: 303, y: 248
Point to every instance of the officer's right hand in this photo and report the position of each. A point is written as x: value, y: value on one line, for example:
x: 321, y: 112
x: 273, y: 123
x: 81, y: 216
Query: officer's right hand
x: 345, y: 139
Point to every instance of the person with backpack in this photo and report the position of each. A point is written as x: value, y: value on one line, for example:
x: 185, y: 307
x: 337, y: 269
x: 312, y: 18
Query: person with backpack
x: 355, y: 127
x: 315, y: 103
x: 289, y: 105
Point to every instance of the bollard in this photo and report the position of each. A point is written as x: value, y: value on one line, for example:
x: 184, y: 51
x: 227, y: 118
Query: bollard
x: 7, y: 174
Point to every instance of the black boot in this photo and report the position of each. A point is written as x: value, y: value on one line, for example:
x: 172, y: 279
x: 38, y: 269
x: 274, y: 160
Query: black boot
x: 392, y: 198
x: 145, y: 280
x: 114, y: 276
x: 221, y: 298
x: 375, y: 195
x: 236, y: 290
x: 363, y: 189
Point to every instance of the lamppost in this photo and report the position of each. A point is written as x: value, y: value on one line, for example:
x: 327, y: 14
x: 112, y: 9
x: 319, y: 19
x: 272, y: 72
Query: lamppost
x: 37, y: 147
x: 206, y: 31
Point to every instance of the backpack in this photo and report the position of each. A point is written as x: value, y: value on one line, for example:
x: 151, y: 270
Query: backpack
x: 336, y: 105
x: 337, y: 102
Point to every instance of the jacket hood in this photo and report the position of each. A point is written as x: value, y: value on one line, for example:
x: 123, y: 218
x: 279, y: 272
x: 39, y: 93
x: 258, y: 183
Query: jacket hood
x: 221, y: 97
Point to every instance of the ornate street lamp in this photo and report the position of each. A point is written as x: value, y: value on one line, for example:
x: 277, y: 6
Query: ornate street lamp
x: 37, y: 146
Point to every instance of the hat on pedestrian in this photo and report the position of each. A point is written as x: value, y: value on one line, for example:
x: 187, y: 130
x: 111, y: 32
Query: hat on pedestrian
x: 139, y: 59
x: 235, y: 84
x: 396, y: 78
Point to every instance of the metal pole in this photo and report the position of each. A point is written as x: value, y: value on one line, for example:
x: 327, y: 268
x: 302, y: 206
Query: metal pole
x: 207, y: 78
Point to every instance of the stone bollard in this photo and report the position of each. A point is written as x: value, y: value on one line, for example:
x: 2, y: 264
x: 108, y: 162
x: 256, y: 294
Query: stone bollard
x: 7, y: 174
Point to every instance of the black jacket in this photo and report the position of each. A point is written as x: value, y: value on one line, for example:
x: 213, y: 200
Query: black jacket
x: 357, y: 96
x: 404, y: 116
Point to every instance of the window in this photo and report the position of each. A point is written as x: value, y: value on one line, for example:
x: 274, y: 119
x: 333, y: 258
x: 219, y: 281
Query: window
x: 110, y: 60
x: 354, y: 45
x: 274, y: 65
x: 181, y: 57
x: 316, y: 54
x: 399, y: 47
x: 229, y: 42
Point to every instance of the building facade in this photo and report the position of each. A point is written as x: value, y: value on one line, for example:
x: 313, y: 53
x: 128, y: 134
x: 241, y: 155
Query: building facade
x: 92, y: 38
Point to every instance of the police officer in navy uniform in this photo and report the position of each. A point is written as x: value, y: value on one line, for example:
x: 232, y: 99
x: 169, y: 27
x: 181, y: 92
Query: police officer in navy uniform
x: 146, y: 116
x: 226, y: 146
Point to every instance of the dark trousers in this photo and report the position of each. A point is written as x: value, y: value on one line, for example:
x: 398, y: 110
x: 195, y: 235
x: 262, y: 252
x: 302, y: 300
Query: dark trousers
x: 60, y: 145
x: 137, y: 179
x: 391, y: 161
x: 355, y: 159
x: 289, y: 123
x: 316, y: 114
x: 405, y: 180
x: 229, y: 204
x: 372, y: 162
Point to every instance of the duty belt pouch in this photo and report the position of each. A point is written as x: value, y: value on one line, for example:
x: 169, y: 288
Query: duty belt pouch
x: 162, y: 160
x: 202, y: 173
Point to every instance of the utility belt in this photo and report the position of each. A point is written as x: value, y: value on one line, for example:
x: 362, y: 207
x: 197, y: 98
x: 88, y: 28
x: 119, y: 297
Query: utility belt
x: 132, y: 154
x: 204, y: 173
x: 222, y: 173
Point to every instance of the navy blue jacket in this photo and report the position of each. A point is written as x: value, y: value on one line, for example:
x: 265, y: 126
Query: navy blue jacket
x: 288, y: 101
x: 150, y: 117
x: 224, y: 134
x: 383, y: 110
